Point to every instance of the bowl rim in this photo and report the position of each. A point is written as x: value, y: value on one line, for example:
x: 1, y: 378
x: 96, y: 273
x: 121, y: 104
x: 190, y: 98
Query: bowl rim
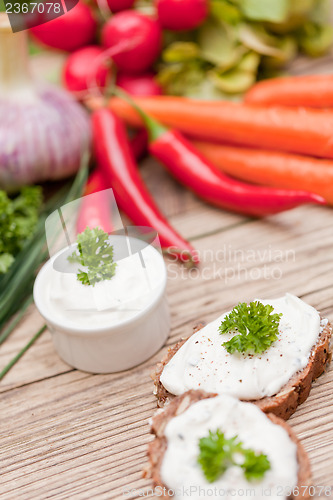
x: 70, y: 329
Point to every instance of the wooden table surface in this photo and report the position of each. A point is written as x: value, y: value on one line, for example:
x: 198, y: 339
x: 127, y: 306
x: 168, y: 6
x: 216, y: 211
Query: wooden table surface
x: 65, y: 434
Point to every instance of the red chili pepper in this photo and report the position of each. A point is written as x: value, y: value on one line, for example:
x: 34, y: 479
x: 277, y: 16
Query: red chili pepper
x: 192, y: 169
x: 139, y: 144
x: 115, y: 160
x: 95, y: 211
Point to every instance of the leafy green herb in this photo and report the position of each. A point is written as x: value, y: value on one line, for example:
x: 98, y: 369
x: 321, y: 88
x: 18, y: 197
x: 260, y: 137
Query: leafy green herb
x: 95, y: 252
x: 6, y: 260
x: 275, y: 11
x: 275, y: 30
x: 217, y: 454
x: 256, y: 324
x: 315, y: 39
x: 237, y: 79
x: 225, y: 12
x: 178, y: 52
x: 255, y: 465
x: 18, y: 221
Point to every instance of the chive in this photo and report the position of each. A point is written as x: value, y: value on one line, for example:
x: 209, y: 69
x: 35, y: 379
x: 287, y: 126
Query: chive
x: 28, y: 263
x: 80, y: 180
x: 16, y: 285
x: 22, y: 351
x: 15, y: 321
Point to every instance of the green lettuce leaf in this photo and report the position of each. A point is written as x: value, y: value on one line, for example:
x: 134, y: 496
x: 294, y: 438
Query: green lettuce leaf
x: 265, y: 10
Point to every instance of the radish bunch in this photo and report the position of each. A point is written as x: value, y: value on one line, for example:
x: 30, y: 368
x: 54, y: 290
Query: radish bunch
x: 124, y: 46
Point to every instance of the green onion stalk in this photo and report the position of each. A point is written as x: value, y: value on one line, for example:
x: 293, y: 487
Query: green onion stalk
x: 16, y: 285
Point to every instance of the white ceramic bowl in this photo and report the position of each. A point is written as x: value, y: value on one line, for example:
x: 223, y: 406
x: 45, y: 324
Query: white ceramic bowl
x: 107, y: 348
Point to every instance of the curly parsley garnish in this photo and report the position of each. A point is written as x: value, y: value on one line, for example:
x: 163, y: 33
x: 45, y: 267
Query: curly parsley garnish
x: 217, y: 454
x: 256, y: 325
x: 95, y: 252
x: 18, y: 221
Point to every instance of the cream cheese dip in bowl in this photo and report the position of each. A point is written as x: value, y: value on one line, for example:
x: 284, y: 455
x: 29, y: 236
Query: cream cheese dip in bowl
x: 115, y: 324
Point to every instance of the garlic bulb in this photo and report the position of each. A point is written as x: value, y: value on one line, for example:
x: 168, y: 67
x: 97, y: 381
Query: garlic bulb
x: 43, y: 130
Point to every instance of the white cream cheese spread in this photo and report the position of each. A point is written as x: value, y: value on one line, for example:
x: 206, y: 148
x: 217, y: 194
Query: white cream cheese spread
x: 137, y: 281
x: 181, y: 472
x: 203, y: 363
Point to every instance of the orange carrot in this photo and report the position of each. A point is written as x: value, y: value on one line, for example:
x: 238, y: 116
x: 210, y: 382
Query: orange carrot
x: 313, y: 91
x: 305, y: 131
x: 281, y: 170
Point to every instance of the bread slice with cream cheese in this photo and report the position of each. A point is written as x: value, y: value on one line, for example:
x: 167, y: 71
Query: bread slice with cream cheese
x: 173, y: 455
x: 195, y: 366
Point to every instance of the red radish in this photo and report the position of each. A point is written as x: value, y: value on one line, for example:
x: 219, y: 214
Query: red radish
x: 73, y: 30
x: 178, y: 15
x: 118, y: 5
x: 143, y: 36
x: 85, y: 68
x: 114, y: 5
x: 140, y: 85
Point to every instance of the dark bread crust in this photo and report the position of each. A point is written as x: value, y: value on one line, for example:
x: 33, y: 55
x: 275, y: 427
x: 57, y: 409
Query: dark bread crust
x: 294, y: 393
x: 178, y: 405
